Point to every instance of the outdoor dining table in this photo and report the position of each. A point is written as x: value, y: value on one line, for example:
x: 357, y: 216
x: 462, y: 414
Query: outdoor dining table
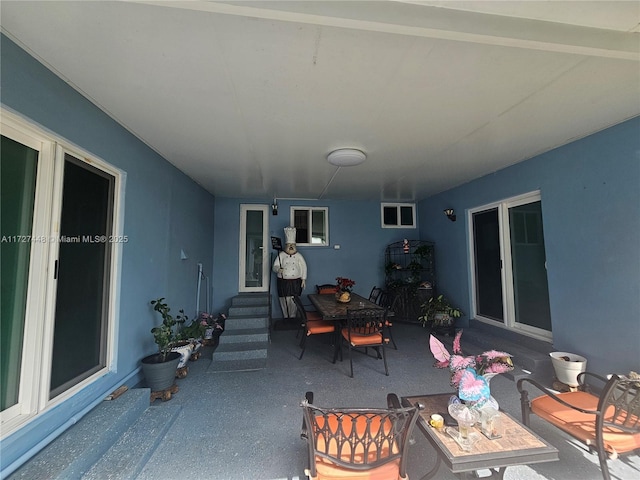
x: 332, y: 309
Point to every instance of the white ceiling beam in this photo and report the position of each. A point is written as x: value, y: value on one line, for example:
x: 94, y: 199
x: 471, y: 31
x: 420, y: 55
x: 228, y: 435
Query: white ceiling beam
x: 434, y: 22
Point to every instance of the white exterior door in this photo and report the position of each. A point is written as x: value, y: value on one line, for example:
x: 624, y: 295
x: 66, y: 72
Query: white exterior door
x: 254, y: 257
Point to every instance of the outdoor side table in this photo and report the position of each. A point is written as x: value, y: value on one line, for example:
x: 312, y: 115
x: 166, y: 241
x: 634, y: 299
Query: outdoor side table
x: 517, y: 446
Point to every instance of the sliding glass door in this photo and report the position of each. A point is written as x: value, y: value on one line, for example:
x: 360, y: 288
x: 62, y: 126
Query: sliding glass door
x: 84, y: 256
x: 488, y: 265
x: 509, y: 265
x: 18, y: 182
x: 57, y: 269
x: 528, y: 265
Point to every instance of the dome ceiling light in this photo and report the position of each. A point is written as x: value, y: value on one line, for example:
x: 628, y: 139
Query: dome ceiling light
x: 346, y: 157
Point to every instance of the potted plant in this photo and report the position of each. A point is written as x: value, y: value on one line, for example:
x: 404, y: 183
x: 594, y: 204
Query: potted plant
x: 439, y: 313
x: 160, y: 368
x: 568, y: 366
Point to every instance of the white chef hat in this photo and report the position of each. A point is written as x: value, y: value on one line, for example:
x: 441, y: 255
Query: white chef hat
x: 290, y: 235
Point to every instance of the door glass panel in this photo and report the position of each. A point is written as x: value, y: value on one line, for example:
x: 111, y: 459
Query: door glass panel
x: 254, y: 248
x: 79, y: 344
x: 488, y: 264
x: 531, y: 293
x: 18, y: 182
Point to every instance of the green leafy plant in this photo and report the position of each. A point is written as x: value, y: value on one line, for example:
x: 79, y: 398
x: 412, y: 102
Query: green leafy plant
x: 194, y: 330
x: 165, y: 335
x: 436, y: 305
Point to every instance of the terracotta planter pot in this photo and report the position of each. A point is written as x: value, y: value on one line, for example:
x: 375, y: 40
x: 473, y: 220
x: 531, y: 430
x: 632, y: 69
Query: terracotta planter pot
x: 160, y: 375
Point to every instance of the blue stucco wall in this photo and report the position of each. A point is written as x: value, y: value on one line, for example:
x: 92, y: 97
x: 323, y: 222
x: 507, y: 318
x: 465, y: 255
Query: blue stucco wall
x: 590, y: 193
x: 164, y: 212
x: 355, y: 226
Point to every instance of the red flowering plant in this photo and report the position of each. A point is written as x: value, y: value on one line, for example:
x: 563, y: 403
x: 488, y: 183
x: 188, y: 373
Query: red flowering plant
x: 344, y: 284
x: 470, y: 374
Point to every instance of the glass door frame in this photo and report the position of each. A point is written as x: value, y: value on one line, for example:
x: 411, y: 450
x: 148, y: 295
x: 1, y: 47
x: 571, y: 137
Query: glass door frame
x: 41, y: 291
x: 507, y: 278
x: 266, y: 267
x: 29, y: 398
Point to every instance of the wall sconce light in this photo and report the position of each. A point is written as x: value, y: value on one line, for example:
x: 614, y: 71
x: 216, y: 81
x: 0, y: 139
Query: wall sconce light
x: 449, y: 212
x: 274, y: 207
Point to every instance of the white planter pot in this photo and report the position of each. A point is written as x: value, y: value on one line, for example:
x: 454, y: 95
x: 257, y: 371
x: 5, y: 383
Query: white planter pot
x: 567, y: 370
x: 442, y: 319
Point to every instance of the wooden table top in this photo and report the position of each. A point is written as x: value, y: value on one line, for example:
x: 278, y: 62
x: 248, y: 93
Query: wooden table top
x: 331, y: 309
x: 517, y: 446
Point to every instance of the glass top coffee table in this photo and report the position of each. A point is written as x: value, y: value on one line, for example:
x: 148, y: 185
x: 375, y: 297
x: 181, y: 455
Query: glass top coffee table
x: 517, y: 446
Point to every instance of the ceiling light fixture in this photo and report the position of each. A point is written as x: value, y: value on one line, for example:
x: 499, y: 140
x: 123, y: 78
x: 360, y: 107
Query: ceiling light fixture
x: 346, y: 157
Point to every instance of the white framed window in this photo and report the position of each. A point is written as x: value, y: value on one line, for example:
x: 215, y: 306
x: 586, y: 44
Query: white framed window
x: 63, y: 210
x: 398, y: 215
x: 312, y: 226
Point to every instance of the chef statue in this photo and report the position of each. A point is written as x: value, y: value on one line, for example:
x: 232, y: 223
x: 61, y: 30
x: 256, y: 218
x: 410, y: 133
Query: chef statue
x: 291, y: 270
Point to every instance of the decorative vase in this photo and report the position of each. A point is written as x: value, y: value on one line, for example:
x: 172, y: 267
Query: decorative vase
x: 491, y: 402
x: 160, y: 375
x: 343, y: 297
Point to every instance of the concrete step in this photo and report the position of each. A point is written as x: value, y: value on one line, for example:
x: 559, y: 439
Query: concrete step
x: 250, y: 299
x: 240, y: 351
x: 76, y: 450
x: 243, y: 322
x: 246, y: 335
x: 127, y: 457
x: 243, y: 346
x: 237, y: 365
x: 246, y: 310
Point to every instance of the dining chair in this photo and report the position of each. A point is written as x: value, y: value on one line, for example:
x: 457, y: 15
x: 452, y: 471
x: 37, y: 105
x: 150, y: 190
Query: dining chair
x: 607, y: 423
x: 327, y: 289
x: 357, y: 443
x: 312, y: 314
x: 389, y: 302
x: 374, y: 296
x: 312, y: 324
x: 365, y: 328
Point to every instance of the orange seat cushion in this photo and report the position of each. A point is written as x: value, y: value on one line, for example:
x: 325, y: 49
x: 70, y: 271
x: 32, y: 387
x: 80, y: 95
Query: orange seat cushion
x: 583, y: 425
x: 315, y: 327
x: 362, y: 340
x: 328, y: 470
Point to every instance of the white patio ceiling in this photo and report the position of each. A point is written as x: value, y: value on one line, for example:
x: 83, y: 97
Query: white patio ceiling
x: 248, y: 98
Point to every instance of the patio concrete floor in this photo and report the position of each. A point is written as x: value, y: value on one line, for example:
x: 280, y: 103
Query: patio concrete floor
x: 246, y: 425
